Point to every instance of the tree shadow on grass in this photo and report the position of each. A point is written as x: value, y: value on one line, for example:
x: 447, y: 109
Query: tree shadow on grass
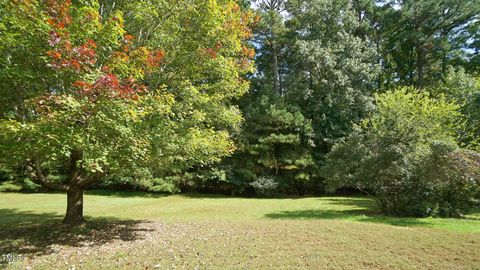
x: 125, y: 194
x: 362, y: 215
x: 194, y: 195
x: 368, y: 203
x: 364, y: 210
x: 363, y: 202
x: 474, y: 213
x: 28, y: 233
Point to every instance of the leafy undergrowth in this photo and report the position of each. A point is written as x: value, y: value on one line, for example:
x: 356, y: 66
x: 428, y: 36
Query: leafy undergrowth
x: 136, y: 231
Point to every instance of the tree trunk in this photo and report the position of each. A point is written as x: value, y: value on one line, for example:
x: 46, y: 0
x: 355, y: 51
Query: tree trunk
x: 444, y: 58
x: 276, y: 84
x: 74, y: 215
x: 20, y: 103
x: 420, y: 65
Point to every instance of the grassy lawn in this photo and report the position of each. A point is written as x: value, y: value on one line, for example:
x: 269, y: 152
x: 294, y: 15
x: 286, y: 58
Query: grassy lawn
x: 143, y: 231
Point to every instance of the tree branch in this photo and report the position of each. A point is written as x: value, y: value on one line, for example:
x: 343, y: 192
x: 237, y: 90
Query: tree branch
x: 87, y: 181
x: 36, y: 174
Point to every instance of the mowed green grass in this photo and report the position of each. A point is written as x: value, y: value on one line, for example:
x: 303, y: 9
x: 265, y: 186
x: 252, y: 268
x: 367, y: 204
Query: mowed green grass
x: 144, y: 231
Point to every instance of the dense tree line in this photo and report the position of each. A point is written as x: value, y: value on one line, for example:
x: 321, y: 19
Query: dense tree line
x: 380, y: 96
x: 325, y: 61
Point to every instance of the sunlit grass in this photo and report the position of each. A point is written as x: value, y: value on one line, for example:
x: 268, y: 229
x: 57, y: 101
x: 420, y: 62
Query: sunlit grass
x: 138, y: 231
x: 214, y: 207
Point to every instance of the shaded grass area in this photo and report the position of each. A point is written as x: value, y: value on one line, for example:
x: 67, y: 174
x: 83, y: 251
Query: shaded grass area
x: 31, y: 233
x: 358, y: 215
x: 144, y: 231
x: 365, y: 210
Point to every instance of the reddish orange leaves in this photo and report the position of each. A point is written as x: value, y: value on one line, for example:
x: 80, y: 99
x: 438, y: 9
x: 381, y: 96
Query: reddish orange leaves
x: 59, y: 13
x: 213, y: 52
x: 154, y: 58
x: 54, y: 54
x: 63, y: 54
x: 110, y: 86
x: 248, y: 52
x: 77, y: 58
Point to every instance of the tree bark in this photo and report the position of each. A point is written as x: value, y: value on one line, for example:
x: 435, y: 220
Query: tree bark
x: 276, y: 84
x: 420, y: 65
x: 74, y: 215
x: 74, y: 171
x: 444, y: 57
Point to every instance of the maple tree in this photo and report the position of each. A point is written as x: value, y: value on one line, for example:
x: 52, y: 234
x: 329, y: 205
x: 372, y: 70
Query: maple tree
x: 103, y: 108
